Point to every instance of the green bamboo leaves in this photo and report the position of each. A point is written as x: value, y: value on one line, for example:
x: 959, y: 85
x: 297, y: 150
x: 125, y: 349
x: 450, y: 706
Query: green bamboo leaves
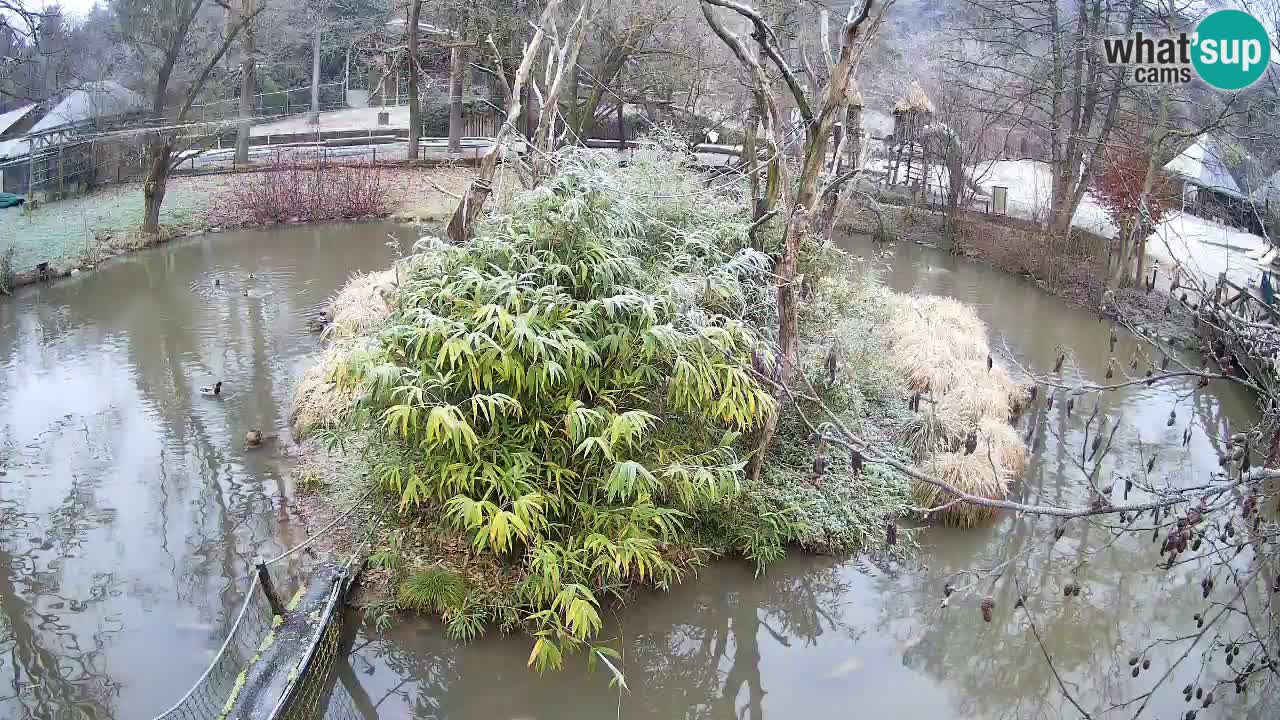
x: 546, y: 391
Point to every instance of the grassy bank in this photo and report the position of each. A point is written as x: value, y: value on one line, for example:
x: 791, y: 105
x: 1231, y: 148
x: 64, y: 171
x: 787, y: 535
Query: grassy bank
x: 82, y: 231
x: 562, y: 409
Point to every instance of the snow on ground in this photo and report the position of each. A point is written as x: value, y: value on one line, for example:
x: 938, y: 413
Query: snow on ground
x: 365, y: 118
x: 1030, y: 187
x: 1198, y: 244
x: 1207, y: 247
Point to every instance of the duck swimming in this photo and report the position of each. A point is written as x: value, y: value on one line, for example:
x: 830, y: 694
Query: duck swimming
x: 253, y: 439
x: 212, y: 391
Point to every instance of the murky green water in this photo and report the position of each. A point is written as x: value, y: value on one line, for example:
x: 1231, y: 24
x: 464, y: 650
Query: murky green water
x: 128, y: 506
x: 129, y: 510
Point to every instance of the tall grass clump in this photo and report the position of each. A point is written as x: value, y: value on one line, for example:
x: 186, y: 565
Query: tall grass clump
x: 941, y: 348
x: 321, y: 402
x: 545, y: 391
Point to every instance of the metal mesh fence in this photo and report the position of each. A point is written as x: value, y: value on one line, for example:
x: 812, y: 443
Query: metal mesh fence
x: 283, y: 656
x: 310, y: 698
x: 208, y: 697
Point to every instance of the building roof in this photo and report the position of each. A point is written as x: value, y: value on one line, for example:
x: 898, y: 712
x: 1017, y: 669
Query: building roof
x: 10, y: 149
x: 92, y: 101
x: 9, y: 119
x: 1202, y: 164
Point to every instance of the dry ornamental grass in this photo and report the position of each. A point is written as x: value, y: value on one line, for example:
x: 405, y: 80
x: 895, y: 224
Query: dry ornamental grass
x: 940, y: 346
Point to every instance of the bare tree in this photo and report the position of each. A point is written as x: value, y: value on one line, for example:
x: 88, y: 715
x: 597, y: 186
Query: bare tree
x: 32, y: 50
x: 464, y: 217
x: 415, y: 107
x: 184, y: 42
x: 1040, y: 61
x: 818, y: 116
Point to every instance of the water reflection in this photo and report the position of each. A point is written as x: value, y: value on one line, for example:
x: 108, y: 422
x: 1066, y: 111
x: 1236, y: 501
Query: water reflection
x: 128, y: 507
x: 799, y: 641
x: 835, y: 638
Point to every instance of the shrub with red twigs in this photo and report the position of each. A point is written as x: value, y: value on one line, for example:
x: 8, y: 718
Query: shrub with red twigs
x: 308, y: 192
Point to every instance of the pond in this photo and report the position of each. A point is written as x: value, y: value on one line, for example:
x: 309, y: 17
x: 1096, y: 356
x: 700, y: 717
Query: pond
x: 129, y: 510
x: 128, y: 505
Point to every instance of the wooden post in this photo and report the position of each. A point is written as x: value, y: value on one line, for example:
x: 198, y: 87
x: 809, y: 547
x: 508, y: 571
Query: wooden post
x: 268, y: 588
x: 61, y: 173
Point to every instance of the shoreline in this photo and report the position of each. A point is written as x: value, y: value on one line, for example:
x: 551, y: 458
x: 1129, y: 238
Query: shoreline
x: 417, y: 195
x: 1084, y: 289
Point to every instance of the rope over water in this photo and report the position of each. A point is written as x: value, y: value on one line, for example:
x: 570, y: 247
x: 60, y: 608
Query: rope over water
x: 276, y: 659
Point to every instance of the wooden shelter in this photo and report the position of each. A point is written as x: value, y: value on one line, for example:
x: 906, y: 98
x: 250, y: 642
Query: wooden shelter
x: 908, y: 157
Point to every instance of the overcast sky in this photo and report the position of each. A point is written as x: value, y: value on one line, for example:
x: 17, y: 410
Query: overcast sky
x: 77, y: 8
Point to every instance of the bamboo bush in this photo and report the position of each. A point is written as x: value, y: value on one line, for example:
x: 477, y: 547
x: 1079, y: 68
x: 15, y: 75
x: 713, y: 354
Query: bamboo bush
x: 562, y: 408
x: 541, y: 397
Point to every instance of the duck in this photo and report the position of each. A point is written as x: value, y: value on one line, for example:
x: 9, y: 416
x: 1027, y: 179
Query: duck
x: 318, y: 323
x: 212, y: 390
x: 217, y: 282
x: 253, y: 439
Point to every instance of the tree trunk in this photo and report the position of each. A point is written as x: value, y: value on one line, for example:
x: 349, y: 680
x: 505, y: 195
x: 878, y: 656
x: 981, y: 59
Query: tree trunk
x: 752, y: 164
x: 1134, y: 244
x: 462, y: 223
x: 247, y: 63
x: 153, y: 188
x: 456, y: 63
x: 798, y: 225
x: 415, y: 109
x: 313, y: 118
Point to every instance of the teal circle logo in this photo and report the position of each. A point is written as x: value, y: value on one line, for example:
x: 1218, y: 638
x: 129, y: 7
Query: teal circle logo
x: 1231, y: 49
